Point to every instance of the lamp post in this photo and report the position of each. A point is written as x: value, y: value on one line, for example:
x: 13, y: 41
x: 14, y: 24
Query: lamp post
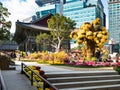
x: 111, y: 42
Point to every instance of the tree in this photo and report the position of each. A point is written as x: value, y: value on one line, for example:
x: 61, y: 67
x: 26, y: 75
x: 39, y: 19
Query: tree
x: 4, y: 24
x: 92, y: 35
x: 60, y: 28
x: 43, y: 39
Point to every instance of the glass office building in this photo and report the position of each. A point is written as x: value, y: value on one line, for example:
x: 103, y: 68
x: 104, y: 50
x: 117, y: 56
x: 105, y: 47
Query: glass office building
x: 114, y: 20
x: 48, y: 6
x: 43, y: 2
x: 84, y: 10
x: 78, y: 10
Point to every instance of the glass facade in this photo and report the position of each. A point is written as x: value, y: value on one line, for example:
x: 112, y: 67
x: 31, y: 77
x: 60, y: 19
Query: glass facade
x: 84, y: 11
x: 78, y: 10
x: 114, y: 20
x: 44, y: 10
x: 50, y: 7
x: 43, y: 2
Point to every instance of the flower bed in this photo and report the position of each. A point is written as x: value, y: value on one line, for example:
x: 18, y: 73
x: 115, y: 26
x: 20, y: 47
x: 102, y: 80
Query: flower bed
x: 37, y: 81
x: 90, y: 63
x: 64, y: 58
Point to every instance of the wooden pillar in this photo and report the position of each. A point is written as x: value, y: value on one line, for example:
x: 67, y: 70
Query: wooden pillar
x: 29, y: 44
x: 26, y: 46
x: 69, y: 45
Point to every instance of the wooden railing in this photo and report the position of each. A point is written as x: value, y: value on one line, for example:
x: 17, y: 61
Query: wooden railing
x: 46, y: 84
x: 2, y: 83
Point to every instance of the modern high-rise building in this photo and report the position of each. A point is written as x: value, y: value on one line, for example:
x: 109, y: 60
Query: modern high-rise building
x: 78, y: 10
x: 48, y: 6
x: 43, y: 2
x: 84, y: 11
x: 114, y: 20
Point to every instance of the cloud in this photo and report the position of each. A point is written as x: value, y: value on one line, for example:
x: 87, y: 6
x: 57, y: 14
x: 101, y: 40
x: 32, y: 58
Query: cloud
x: 20, y: 9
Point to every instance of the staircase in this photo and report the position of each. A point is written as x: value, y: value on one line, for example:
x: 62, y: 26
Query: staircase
x: 96, y: 80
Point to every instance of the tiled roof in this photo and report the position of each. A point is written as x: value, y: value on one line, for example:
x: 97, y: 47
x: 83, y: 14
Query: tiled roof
x: 35, y: 26
x: 9, y: 46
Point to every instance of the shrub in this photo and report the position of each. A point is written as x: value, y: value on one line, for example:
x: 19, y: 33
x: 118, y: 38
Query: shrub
x: 58, y: 57
x: 118, y: 69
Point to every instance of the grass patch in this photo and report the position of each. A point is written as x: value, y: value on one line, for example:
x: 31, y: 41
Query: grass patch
x: 27, y: 60
x: 42, y: 62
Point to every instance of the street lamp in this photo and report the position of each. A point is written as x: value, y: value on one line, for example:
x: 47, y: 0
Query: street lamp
x: 111, y: 42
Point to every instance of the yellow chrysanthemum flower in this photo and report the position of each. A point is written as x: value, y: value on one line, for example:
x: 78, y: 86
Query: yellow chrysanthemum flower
x: 89, y: 33
x: 90, y: 37
x: 103, y: 29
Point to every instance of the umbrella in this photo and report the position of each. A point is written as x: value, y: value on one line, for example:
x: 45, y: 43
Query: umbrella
x: 76, y: 51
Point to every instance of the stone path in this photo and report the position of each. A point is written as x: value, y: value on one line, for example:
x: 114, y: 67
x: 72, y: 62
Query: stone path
x: 16, y: 81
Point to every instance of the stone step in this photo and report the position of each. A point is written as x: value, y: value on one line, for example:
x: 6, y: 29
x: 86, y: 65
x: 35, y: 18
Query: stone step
x: 11, y: 67
x: 87, y: 83
x: 103, y: 87
x: 83, y: 78
x: 89, y: 80
x: 75, y: 74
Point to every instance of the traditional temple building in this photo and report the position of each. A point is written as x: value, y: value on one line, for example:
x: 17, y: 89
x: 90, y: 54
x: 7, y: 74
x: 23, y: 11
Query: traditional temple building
x: 26, y: 33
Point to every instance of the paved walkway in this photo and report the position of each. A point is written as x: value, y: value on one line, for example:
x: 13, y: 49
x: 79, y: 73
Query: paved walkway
x: 16, y: 81
x: 55, y: 68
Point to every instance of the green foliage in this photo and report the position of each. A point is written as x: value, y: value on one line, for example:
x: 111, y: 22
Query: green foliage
x: 117, y: 69
x: 4, y: 25
x: 23, y: 54
x: 60, y: 27
x: 42, y: 37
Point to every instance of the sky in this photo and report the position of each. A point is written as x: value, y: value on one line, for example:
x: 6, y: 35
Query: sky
x: 21, y: 9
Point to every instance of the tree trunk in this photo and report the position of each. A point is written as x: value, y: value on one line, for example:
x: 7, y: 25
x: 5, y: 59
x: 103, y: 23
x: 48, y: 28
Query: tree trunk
x: 91, y: 46
x: 58, y: 46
